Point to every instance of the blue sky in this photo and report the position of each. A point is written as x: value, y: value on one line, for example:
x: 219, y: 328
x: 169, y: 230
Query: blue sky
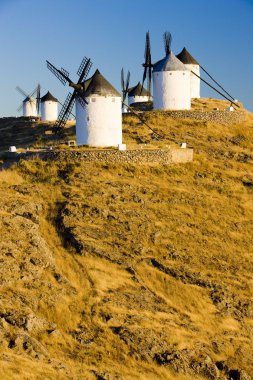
x: 217, y: 33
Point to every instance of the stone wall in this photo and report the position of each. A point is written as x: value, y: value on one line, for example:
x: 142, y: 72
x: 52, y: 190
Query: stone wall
x: 222, y: 117
x: 141, y: 156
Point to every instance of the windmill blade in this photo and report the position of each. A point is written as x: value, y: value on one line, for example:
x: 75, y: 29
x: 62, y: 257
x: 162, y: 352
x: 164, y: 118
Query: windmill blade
x: 38, y: 99
x: 65, y: 111
x: 127, y: 81
x: 149, y: 73
x: 84, y: 69
x: 144, y: 77
x: 81, y: 101
x: 148, y: 51
x: 64, y: 72
x: 123, y: 85
x: 122, y: 80
x: 33, y: 92
x: 60, y: 74
x: 82, y: 65
x: 147, y: 47
x: 22, y: 92
x: 127, y: 84
x: 62, y: 106
x: 148, y: 64
x: 20, y: 107
x: 149, y: 80
x: 167, y: 38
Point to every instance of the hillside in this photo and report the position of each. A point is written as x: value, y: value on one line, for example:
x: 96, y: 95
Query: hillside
x: 125, y: 271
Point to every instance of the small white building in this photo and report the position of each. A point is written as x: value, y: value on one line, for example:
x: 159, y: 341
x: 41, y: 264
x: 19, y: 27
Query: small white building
x: 171, y: 84
x: 99, y: 123
x: 49, y: 107
x: 191, y: 64
x: 29, y: 107
x: 138, y: 94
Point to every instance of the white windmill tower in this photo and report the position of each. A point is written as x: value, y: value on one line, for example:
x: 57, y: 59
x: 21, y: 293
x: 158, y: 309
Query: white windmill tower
x: 138, y: 94
x: 171, y: 79
x: 191, y: 64
x: 30, y: 105
x: 49, y: 107
x: 99, y: 123
x: 98, y: 108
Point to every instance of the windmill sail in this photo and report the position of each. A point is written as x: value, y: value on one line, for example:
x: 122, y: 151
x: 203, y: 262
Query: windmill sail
x: 147, y: 64
x: 125, y: 85
x: 29, y: 98
x: 78, y: 93
x: 167, y: 42
x: 65, y: 111
x: 62, y: 74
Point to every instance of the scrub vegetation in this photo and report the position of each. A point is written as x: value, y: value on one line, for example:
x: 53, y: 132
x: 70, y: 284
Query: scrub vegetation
x: 125, y: 271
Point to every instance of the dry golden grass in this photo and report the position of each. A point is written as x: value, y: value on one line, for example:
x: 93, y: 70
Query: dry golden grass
x: 209, y: 104
x: 145, y: 259
x: 10, y: 178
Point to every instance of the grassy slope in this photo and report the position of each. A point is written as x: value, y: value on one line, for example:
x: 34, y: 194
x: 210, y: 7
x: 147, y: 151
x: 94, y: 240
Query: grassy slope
x: 137, y: 272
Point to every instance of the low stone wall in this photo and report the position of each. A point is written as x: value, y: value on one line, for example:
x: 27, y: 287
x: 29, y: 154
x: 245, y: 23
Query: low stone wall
x: 141, y: 156
x: 162, y: 156
x: 221, y: 117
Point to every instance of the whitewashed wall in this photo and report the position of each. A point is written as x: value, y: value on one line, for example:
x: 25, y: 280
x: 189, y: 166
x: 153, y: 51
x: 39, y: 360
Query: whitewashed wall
x: 29, y: 108
x: 49, y: 110
x: 135, y: 99
x: 99, y: 123
x: 195, y: 81
x: 171, y: 90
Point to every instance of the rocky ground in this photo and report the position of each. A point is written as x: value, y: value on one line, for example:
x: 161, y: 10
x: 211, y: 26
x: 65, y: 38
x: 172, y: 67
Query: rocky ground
x: 129, y: 271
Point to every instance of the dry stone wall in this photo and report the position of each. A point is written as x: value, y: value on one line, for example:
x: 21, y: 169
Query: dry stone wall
x: 221, y: 117
x: 141, y: 156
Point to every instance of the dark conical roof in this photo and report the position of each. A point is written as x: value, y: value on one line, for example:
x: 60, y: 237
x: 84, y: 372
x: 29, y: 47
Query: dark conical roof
x: 169, y: 63
x: 48, y: 97
x: 187, y: 58
x: 138, y: 90
x: 98, y: 85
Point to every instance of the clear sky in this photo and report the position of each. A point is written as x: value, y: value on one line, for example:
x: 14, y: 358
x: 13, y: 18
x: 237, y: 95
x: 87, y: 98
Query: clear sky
x: 218, y: 33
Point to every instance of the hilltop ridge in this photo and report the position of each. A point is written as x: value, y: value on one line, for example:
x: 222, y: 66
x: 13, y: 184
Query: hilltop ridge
x: 131, y: 271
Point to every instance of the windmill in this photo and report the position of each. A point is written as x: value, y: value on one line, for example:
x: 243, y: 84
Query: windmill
x: 163, y: 88
x: 49, y: 107
x: 138, y: 95
x: 77, y: 94
x: 125, y: 88
x: 171, y: 81
x: 31, y: 106
x: 147, y: 64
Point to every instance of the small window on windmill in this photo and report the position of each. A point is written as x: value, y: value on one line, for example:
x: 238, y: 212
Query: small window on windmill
x: 183, y: 73
x: 88, y: 119
x: 113, y: 100
x: 170, y: 73
x: 93, y: 99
